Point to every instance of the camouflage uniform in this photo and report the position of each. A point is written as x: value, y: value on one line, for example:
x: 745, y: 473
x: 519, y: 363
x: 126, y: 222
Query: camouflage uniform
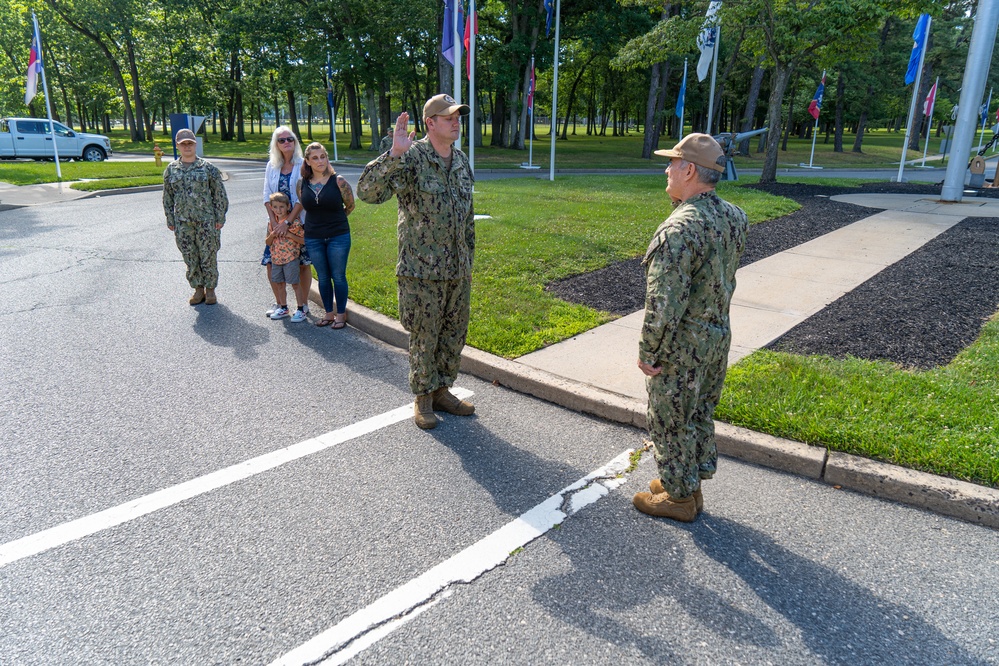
x: 195, y: 202
x: 690, y: 270
x: 436, y: 243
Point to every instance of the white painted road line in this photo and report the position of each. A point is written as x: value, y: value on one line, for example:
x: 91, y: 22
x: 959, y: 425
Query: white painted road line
x: 59, y: 535
x: 365, y: 627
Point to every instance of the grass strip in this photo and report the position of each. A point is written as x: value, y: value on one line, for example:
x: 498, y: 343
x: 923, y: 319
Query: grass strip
x: 943, y: 421
x: 33, y: 173
x: 117, y: 183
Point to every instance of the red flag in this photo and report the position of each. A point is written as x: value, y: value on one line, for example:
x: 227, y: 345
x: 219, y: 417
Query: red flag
x: 931, y: 98
x: 816, y: 104
x: 468, y: 38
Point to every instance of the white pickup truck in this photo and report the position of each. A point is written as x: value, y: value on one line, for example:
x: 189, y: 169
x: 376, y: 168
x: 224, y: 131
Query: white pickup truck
x: 31, y: 137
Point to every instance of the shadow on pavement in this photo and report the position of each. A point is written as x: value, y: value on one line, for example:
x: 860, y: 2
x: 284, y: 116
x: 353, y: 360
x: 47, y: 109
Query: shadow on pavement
x: 218, y: 325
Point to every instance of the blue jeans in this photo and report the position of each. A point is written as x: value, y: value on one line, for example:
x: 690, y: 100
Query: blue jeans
x: 329, y: 258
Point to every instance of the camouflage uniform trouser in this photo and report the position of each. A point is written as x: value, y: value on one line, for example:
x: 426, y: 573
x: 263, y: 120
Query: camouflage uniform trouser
x: 199, y: 245
x: 681, y: 424
x: 435, y: 312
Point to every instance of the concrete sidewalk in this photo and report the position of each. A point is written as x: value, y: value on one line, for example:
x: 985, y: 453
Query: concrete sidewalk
x: 596, y: 372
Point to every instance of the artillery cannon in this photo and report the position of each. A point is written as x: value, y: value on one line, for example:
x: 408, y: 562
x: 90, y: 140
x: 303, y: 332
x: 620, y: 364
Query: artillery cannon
x: 729, y: 142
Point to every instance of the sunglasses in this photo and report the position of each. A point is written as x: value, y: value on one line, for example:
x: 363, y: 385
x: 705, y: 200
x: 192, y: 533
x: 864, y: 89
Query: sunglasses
x: 286, y: 139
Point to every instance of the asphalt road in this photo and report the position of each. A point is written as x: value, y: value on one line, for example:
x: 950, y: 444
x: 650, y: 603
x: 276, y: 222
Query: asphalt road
x: 206, y: 486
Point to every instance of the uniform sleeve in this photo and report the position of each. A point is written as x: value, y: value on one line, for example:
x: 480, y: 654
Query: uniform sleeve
x: 168, y: 200
x: 378, y: 181
x: 470, y: 222
x: 220, y: 200
x: 666, y: 298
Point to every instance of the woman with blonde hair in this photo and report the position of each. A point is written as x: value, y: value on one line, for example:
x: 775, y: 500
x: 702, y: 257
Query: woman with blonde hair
x: 282, y: 174
x: 327, y: 231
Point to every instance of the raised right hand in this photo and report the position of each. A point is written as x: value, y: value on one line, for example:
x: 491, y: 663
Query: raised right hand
x: 402, y: 139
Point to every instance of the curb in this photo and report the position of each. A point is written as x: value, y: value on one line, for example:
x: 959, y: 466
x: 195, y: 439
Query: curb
x: 948, y: 497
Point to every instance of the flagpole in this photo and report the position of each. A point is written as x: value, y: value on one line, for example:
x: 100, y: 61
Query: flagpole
x: 683, y: 100
x: 551, y: 165
x: 815, y: 131
x: 915, y: 94
x: 472, y: 23
x: 457, y: 63
x: 329, y: 95
x: 45, y: 89
x: 530, y: 147
x: 929, y: 130
x: 714, y: 73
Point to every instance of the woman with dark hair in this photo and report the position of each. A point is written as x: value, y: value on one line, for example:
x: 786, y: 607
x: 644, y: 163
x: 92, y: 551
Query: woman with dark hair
x: 281, y: 175
x: 327, y: 200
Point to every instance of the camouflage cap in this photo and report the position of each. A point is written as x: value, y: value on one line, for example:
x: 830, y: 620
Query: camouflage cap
x: 699, y: 149
x: 184, y: 135
x: 443, y: 105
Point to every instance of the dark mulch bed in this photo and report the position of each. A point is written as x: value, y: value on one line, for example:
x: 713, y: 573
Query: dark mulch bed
x: 920, y: 312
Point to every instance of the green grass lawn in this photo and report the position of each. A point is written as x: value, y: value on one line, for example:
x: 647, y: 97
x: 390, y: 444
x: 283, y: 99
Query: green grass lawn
x: 31, y: 173
x: 944, y: 421
x: 118, y: 183
x: 538, y: 232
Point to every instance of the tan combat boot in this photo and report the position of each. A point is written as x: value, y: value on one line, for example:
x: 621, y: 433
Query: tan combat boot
x: 423, y: 412
x: 198, y: 297
x: 656, y: 486
x: 446, y: 401
x: 664, y: 506
x: 210, y: 297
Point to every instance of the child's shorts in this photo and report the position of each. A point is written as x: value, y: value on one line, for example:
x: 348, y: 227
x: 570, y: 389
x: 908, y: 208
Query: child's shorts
x: 287, y: 273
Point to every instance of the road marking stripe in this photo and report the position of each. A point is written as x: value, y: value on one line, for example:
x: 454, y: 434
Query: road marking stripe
x: 365, y: 627
x: 59, y: 535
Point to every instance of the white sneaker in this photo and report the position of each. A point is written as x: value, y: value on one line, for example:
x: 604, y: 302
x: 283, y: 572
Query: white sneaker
x: 298, y: 316
x: 280, y: 313
x: 305, y: 308
x: 271, y: 309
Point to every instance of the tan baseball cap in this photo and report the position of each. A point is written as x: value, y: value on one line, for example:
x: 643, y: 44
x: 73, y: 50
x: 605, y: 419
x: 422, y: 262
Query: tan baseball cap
x: 443, y: 105
x: 699, y: 149
x: 184, y: 135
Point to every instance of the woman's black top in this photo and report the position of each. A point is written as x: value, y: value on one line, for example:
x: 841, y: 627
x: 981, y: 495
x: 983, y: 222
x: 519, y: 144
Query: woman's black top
x: 325, y: 217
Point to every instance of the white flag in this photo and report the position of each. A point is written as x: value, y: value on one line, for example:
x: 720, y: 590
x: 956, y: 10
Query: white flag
x: 708, y: 40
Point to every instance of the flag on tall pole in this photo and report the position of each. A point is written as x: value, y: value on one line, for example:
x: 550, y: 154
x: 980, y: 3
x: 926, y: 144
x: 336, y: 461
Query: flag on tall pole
x: 931, y: 100
x: 454, y: 26
x: 549, y: 5
x: 708, y: 40
x: 815, y: 106
x: 471, y: 29
x: 919, y: 38
x: 681, y: 97
x: 36, y: 66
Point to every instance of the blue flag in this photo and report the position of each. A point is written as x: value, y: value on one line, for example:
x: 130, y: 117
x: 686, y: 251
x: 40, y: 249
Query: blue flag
x: 549, y: 8
x: 919, y: 36
x: 683, y: 94
x: 448, y: 46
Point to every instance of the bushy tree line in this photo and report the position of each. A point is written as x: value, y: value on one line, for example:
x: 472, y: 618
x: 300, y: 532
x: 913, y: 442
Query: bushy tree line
x: 621, y: 62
